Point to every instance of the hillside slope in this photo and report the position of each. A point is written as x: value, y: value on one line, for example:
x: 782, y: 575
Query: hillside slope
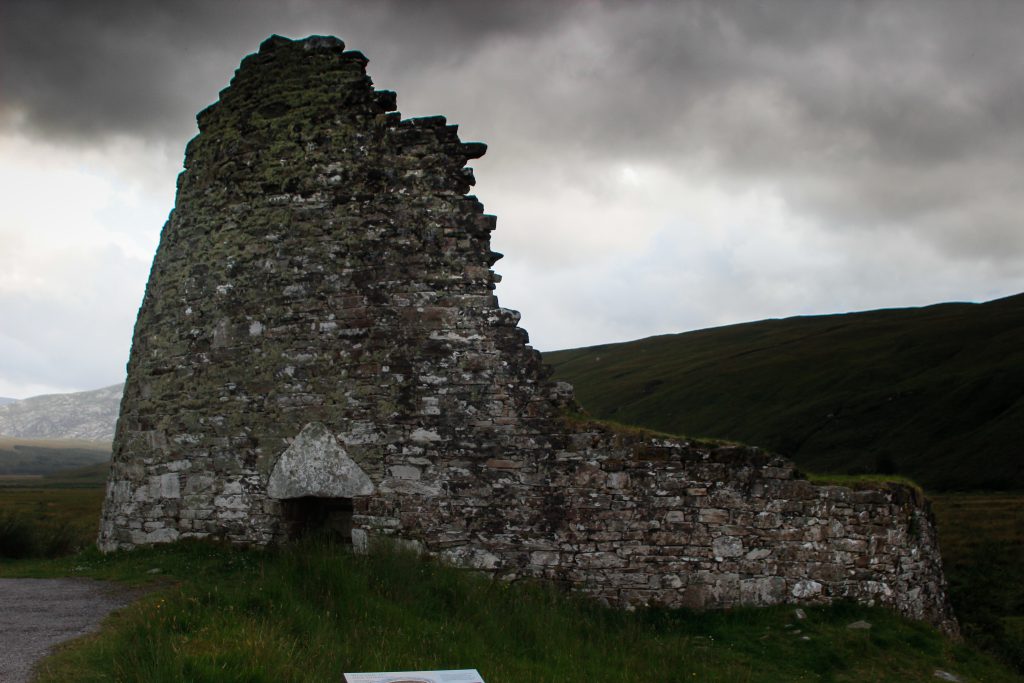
x: 51, y: 456
x: 935, y: 393
x: 89, y: 415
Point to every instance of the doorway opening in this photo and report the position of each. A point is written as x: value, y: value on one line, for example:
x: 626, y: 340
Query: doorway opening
x: 330, y: 518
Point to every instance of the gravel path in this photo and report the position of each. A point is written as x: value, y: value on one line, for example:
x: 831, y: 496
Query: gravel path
x: 36, y: 614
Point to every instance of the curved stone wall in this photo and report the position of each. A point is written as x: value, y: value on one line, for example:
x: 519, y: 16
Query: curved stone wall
x: 320, y: 322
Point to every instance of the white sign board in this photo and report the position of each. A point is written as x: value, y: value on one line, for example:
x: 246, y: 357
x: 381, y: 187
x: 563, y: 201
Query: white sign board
x: 460, y: 676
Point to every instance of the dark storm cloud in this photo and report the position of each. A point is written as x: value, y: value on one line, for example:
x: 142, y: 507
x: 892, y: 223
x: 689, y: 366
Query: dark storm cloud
x: 84, y: 70
x: 862, y: 115
x: 901, y: 82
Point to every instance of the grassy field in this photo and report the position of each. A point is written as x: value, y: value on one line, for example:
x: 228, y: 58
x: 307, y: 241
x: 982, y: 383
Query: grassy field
x: 313, y: 612
x: 982, y: 540
x: 931, y: 393
x: 48, y: 456
x: 49, y: 516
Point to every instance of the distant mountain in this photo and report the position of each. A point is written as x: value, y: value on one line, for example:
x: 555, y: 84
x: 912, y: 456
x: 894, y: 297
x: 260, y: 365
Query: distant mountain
x: 934, y: 393
x: 86, y: 415
x: 4, y: 400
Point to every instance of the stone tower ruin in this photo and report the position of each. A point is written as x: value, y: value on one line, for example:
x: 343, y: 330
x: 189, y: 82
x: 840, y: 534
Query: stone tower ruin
x: 320, y: 347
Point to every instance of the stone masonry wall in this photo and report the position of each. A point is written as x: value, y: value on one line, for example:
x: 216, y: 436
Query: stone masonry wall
x: 320, y: 323
x: 637, y: 520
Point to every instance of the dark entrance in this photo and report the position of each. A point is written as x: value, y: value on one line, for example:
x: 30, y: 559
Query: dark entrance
x: 327, y: 517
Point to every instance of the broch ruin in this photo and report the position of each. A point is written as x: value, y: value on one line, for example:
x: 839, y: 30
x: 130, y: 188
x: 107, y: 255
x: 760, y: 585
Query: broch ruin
x: 320, y: 346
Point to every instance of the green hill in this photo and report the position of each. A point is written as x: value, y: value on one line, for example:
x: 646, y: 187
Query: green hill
x: 934, y: 393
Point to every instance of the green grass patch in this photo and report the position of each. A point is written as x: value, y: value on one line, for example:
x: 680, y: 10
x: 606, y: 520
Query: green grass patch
x: 313, y: 611
x: 860, y: 482
x: 39, y: 521
x: 982, y: 541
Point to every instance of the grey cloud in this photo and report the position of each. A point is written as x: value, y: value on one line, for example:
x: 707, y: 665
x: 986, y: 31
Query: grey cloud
x: 864, y: 115
x: 84, y: 70
x: 913, y: 82
x: 77, y: 339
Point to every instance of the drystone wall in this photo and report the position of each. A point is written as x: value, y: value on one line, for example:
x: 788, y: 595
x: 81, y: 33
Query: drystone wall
x: 320, y: 325
x: 651, y: 520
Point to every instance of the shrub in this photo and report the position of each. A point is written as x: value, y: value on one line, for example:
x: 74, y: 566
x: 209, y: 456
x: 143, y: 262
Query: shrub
x: 17, y: 536
x: 22, y: 536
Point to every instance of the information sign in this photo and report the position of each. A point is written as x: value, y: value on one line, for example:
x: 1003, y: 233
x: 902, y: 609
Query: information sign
x: 460, y: 676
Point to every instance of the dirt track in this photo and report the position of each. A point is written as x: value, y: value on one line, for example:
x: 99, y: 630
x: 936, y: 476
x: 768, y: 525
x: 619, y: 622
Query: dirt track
x: 37, y: 614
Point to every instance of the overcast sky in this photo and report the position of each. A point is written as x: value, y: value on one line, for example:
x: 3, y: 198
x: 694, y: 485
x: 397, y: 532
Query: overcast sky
x: 655, y: 166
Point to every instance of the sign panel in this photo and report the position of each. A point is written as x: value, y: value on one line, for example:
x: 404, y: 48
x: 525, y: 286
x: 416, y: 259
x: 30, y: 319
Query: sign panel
x: 460, y: 676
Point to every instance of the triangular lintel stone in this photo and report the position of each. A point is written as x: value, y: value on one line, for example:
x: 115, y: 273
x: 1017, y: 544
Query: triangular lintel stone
x: 315, y: 464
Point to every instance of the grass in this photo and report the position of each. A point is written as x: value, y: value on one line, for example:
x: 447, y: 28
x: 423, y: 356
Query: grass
x: 314, y: 611
x: 41, y: 521
x: 863, y: 481
x: 929, y: 393
x: 582, y: 421
x: 982, y: 539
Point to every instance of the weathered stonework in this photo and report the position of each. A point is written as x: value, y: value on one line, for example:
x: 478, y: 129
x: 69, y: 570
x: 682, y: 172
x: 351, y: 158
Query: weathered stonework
x: 320, y: 324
